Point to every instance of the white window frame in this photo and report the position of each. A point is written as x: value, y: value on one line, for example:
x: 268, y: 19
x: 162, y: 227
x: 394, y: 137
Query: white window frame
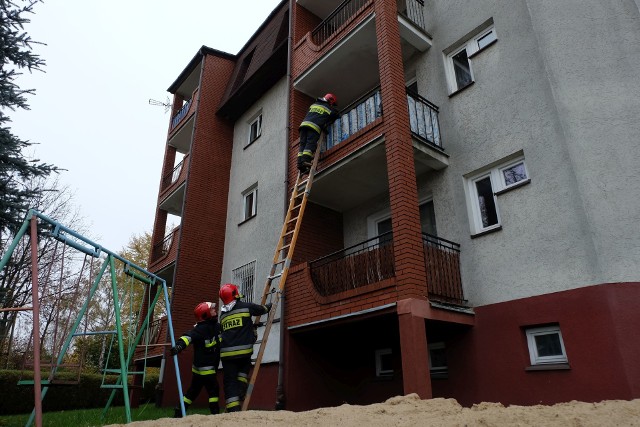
x: 250, y: 192
x: 534, y: 357
x: 380, y: 372
x: 498, y: 186
x: 375, y: 218
x: 256, y: 120
x: 472, y: 48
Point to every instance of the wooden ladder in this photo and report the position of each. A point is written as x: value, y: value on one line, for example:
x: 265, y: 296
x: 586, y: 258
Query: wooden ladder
x: 282, y: 257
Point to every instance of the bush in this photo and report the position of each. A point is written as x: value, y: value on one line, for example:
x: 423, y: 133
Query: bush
x: 18, y: 399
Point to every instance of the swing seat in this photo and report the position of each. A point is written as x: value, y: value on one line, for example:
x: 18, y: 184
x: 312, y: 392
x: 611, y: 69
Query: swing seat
x: 47, y: 383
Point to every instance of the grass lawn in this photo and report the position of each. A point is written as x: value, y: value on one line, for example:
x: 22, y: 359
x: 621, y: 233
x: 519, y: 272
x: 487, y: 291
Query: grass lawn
x: 93, y: 417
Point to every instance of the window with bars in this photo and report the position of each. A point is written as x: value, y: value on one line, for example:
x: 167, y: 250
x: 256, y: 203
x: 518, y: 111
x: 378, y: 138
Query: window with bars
x: 244, y: 278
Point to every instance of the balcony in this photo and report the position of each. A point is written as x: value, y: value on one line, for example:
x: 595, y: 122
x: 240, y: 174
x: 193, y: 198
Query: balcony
x: 363, y: 264
x: 358, y: 115
x: 152, y: 344
x: 180, y: 115
x: 166, y: 247
x: 343, y: 48
x: 372, y: 261
x: 178, y: 174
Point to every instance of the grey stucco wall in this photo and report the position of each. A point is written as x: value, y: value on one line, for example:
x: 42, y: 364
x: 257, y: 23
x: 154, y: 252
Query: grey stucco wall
x: 263, y: 162
x: 537, y: 92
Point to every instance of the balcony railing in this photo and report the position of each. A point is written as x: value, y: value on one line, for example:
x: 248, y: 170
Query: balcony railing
x: 172, y: 177
x: 152, y: 333
x: 442, y: 259
x: 356, y: 116
x: 337, y: 19
x: 180, y: 115
x: 162, y: 248
x: 412, y: 10
x: 368, y: 262
x: 423, y: 119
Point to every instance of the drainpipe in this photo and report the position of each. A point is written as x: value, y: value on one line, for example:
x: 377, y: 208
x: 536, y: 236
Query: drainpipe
x: 280, y: 396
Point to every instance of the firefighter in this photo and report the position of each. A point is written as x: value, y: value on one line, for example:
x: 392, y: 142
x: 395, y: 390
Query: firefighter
x: 205, y: 337
x: 321, y: 114
x: 237, y: 339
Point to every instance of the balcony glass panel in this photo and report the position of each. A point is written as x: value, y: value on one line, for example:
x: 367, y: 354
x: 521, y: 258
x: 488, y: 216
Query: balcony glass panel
x: 180, y: 115
x: 357, y: 116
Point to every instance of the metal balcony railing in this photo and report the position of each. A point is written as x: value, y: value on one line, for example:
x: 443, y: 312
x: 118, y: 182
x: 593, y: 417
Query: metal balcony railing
x: 413, y: 10
x: 162, y: 248
x: 337, y: 19
x: 442, y: 259
x: 368, y: 262
x: 423, y: 119
x: 152, y: 333
x: 355, y: 116
x: 172, y: 177
x: 180, y: 115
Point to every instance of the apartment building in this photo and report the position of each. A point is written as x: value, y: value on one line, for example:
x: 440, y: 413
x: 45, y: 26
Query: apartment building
x: 472, y: 231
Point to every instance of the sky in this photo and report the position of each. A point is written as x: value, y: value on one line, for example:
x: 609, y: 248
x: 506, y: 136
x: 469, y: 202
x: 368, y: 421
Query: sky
x: 91, y: 113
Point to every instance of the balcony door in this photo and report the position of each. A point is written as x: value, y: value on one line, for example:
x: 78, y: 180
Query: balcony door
x: 381, y: 222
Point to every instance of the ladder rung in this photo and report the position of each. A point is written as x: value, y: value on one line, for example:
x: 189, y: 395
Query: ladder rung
x: 275, y: 276
x: 283, y: 247
x: 292, y: 220
x: 111, y: 386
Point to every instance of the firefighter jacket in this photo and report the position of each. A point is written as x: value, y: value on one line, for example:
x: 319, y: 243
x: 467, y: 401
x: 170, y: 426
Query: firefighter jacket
x: 205, y: 338
x: 319, y: 116
x: 238, y: 337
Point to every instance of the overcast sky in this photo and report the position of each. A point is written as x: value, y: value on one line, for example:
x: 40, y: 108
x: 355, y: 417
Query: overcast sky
x: 91, y: 112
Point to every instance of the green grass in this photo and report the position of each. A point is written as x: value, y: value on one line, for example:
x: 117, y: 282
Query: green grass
x: 93, y: 417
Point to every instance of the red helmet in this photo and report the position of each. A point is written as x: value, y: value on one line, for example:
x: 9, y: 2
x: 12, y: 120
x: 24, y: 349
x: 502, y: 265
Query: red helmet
x: 228, y: 293
x: 204, y: 311
x: 331, y: 99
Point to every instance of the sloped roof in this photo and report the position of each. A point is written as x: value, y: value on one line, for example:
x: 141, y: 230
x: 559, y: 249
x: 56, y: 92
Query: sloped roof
x: 259, y: 64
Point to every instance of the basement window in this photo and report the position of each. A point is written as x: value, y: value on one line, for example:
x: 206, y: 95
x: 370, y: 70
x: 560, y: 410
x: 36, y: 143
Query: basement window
x: 438, y: 360
x: 384, y: 363
x: 546, y: 345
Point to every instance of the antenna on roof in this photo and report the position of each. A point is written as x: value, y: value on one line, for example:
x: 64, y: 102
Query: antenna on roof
x: 166, y: 104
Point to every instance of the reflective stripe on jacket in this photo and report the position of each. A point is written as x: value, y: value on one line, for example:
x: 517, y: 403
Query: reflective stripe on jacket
x: 319, y: 116
x: 237, y: 337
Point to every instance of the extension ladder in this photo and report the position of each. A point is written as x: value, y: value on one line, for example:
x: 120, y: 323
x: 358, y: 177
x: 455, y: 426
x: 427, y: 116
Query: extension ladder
x: 282, y: 260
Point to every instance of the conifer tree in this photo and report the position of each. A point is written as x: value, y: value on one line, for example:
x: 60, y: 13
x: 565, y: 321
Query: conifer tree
x: 16, y: 170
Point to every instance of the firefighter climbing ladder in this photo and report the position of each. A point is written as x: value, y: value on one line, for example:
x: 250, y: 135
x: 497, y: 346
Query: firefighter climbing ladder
x: 277, y: 278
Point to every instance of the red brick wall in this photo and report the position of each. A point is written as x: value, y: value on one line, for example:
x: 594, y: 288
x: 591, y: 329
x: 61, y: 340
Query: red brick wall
x: 313, y: 243
x: 403, y: 190
x: 305, y: 21
x: 199, y: 260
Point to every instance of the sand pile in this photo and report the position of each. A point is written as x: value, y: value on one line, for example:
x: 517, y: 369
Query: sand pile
x: 411, y: 411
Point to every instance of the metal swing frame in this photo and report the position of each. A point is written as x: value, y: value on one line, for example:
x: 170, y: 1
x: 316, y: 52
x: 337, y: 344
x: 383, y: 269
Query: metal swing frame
x: 88, y: 247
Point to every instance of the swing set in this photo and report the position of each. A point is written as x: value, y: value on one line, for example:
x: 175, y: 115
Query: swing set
x: 61, y: 299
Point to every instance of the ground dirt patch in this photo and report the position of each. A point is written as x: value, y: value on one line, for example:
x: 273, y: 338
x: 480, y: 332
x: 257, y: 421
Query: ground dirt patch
x: 411, y: 411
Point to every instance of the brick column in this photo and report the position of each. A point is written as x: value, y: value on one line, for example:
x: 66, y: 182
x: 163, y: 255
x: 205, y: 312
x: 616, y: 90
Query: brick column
x: 413, y: 346
x: 403, y: 193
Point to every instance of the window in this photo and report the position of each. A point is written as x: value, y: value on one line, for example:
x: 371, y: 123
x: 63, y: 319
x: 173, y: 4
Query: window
x: 250, y: 203
x: 483, y: 189
x: 380, y: 222
x: 438, y: 360
x: 255, y: 129
x: 546, y: 345
x: 244, y: 277
x: 458, y: 65
x: 384, y: 363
